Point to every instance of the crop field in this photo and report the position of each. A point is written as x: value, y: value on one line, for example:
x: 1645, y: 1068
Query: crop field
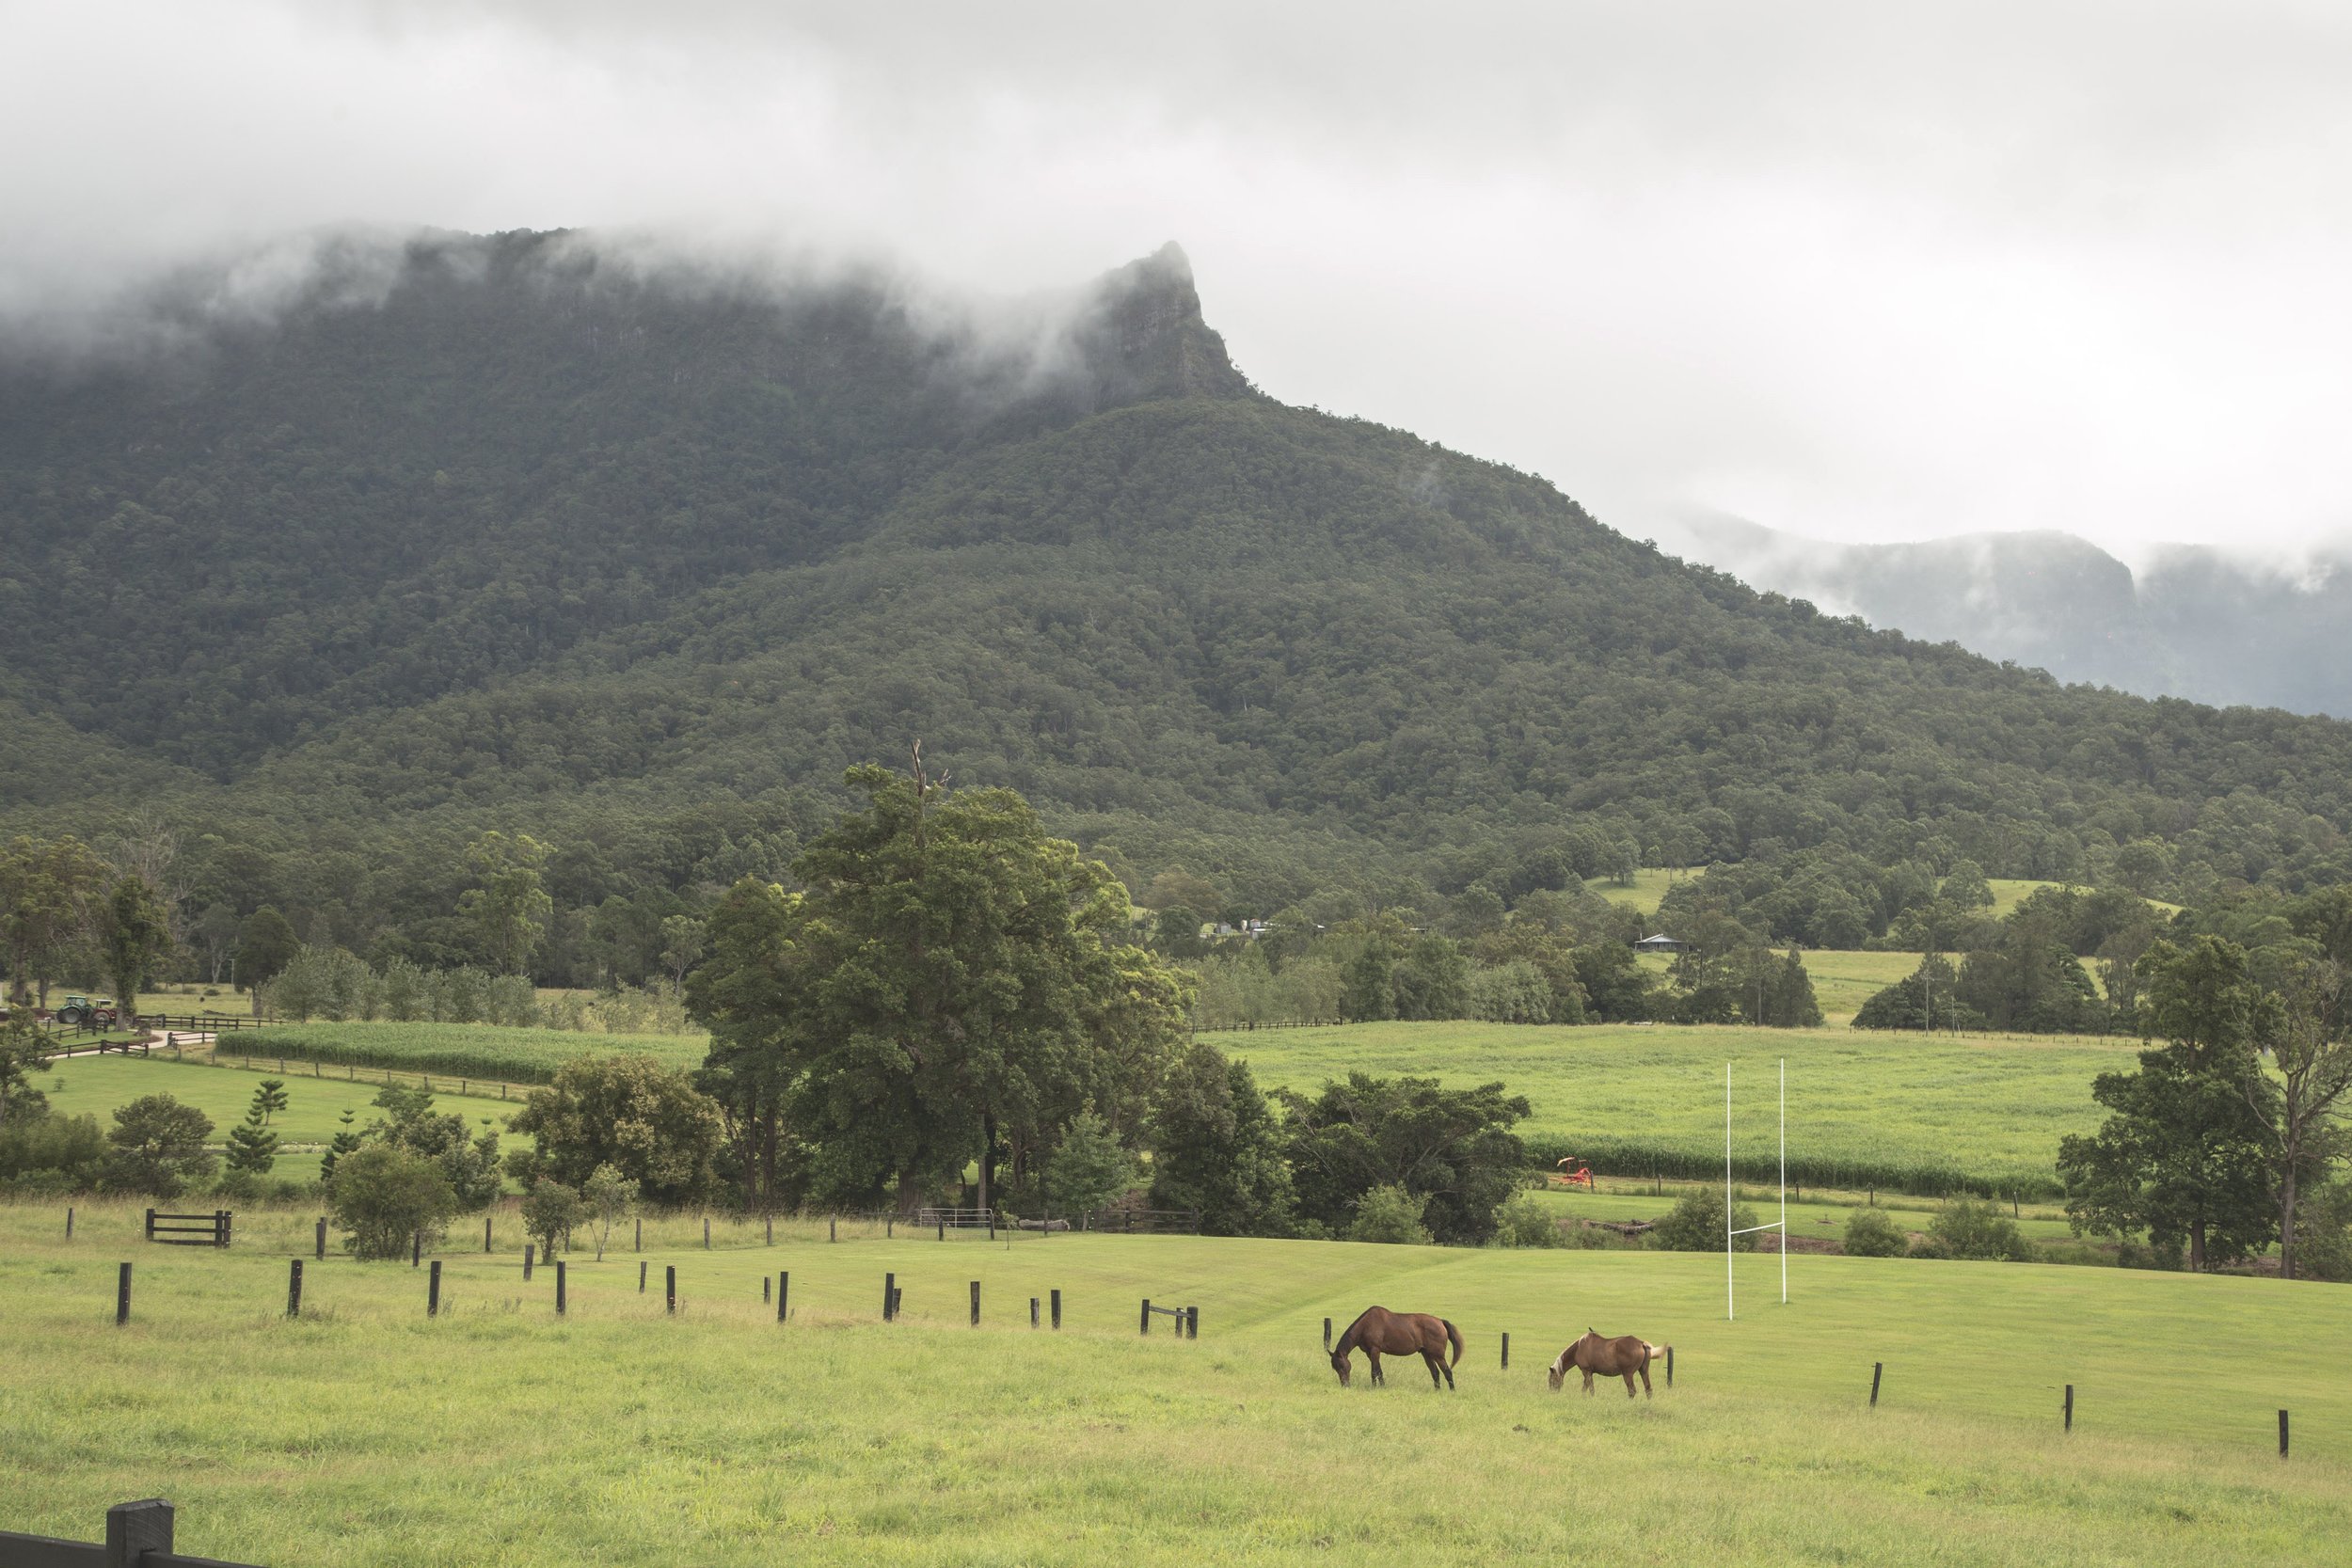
x: 1813, y: 1215
x: 463, y: 1050
x: 366, y: 1432
x: 1903, y: 1111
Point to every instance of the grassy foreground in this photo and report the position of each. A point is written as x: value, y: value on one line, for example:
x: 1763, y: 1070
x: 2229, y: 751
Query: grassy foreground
x: 1993, y: 1108
x: 366, y: 1432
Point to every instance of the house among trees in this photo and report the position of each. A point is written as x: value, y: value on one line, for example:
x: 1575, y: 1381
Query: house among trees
x: 1661, y: 943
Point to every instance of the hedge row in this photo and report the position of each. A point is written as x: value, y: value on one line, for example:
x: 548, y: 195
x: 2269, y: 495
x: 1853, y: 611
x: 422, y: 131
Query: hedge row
x: 1630, y: 1157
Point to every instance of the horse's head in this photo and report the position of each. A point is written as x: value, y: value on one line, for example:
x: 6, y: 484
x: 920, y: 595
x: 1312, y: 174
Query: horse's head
x: 1340, y: 1362
x: 1559, y: 1372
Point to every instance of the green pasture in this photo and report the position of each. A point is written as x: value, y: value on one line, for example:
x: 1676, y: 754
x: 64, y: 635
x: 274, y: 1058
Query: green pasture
x: 460, y: 1050
x: 94, y: 1086
x: 1646, y: 893
x: 1991, y: 1108
x: 366, y: 1432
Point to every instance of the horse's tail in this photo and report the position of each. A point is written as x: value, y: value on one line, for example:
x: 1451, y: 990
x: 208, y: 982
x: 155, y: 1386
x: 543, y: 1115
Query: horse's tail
x: 1453, y: 1338
x: 1655, y: 1352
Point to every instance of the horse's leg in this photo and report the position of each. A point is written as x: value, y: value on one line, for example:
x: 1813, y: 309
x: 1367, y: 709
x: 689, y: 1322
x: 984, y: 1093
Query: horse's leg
x: 1434, y: 1367
x: 1588, y: 1381
x: 1628, y: 1383
x: 1443, y: 1368
x: 1645, y: 1387
x: 1374, y: 1356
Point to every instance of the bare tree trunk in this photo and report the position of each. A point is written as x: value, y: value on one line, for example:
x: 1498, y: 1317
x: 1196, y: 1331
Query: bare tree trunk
x: 2286, y: 1223
x: 2197, y: 1246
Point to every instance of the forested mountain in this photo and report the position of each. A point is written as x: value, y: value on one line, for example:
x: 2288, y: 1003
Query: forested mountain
x: 2191, y: 622
x: 637, y: 558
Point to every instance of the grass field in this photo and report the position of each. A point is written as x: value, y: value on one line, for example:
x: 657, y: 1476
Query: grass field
x: 1992, y: 1109
x: 1647, y: 892
x: 472, y: 1050
x: 94, y: 1086
x: 366, y: 1433
x: 1812, y: 1215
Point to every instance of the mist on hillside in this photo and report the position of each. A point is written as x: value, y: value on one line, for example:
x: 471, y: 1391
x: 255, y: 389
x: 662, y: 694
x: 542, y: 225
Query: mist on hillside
x: 2213, y: 626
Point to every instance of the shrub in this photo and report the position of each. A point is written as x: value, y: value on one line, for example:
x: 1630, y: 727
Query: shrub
x: 1524, y: 1221
x: 1389, y: 1214
x: 382, y: 1194
x: 1972, y: 1230
x: 1696, y: 1224
x: 158, y: 1147
x: 1870, y: 1234
x: 644, y: 1119
x: 549, y: 1211
x: 1088, y: 1168
x: 44, y: 1154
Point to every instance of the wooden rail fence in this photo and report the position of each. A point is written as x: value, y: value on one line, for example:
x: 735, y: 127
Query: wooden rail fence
x: 138, y: 1535
x: 189, y: 1229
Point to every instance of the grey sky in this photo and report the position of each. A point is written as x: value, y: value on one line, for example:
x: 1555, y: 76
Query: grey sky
x: 1859, y: 271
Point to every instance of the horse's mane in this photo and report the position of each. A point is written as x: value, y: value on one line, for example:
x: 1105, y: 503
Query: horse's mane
x: 1347, y: 1338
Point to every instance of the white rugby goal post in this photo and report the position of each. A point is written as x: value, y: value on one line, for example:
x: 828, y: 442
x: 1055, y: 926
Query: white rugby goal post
x: 1781, y: 1225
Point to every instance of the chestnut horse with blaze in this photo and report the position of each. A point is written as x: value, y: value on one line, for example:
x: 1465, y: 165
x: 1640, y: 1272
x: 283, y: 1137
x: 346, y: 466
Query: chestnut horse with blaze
x: 1379, y: 1332
x: 1625, y: 1357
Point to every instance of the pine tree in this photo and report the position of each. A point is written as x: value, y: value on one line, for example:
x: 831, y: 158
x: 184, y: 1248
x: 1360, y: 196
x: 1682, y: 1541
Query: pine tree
x: 252, y: 1147
x: 269, y: 1099
x: 342, y: 1144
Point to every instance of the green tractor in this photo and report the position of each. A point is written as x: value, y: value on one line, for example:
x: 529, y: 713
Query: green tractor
x: 88, y: 1012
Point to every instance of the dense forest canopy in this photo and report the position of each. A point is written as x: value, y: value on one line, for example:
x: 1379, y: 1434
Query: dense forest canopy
x: 515, y: 532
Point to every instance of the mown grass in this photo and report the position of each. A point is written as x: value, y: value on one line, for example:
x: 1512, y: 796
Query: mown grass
x: 94, y: 1086
x: 1649, y: 889
x: 367, y: 1433
x: 461, y: 1050
x: 1992, y: 1109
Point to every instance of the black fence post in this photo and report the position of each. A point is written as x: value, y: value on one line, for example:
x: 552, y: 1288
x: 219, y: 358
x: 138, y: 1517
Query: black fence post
x: 1033, y: 1312
x: 832, y: 1230
x: 151, y: 1225
x: 122, y: 1306
x: 432, y: 1292
x: 772, y: 1230
x: 1057, y: 1295
x: 706, y: 1233
x: 322, y: 1238
x: 2283, y: 1415
x: 783, y: 1293
x: 890, y: 1296
x: 485, y: 1232
x: 641, y: 1233
x: 530, y: 1255
x: 669, y: 1287
x: 558, y: 1287
x: 1146, y: 1314
x: 1670, y: 1366
x: 1192, y: 1323
x: 134, y: 1529
x: 1506, y: 1351
x: 1876, y: 1367
x: 68, y: 1222
x: 293, y: 1289
x: 220, y: 1226
x: 976, y: 1304
x: 942, y: 1227
x: 416, y: 1248
x: 764, y: 1288
x: 640, y: 1278
x: 2070, y: 1407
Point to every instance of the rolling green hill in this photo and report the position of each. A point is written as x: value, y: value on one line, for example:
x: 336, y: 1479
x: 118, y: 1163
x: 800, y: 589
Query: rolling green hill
x: 504, y: 532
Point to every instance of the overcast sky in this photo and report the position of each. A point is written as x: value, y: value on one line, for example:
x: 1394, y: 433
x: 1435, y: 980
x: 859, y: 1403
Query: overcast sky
x: 1865, y: 271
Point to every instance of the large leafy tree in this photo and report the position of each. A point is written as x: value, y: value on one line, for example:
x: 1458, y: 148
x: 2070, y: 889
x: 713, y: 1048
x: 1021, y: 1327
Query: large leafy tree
x: 1216, y: 1148
x: 508, y: 904
x: 158, y: 1147
x: 953, y: 988
x: 1453, y: 1147
x: 643, y: 1118
x: 2182, y: 1157
x: 50, y: 894
x: 136, y: 937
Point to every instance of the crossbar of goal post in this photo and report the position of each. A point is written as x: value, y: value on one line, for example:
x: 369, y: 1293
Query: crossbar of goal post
x: 1781, y: 1225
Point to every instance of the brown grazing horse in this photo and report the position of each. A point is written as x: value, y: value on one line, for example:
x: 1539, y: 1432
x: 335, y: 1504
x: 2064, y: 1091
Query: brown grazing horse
x: 1379, y: 1332
x: 1623, y: 1357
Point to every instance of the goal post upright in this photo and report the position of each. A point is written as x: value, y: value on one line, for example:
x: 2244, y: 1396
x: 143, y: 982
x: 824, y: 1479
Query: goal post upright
x: 1731, y: 1311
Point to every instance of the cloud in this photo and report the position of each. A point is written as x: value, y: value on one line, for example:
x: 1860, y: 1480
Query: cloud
x: 1861, y: 271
